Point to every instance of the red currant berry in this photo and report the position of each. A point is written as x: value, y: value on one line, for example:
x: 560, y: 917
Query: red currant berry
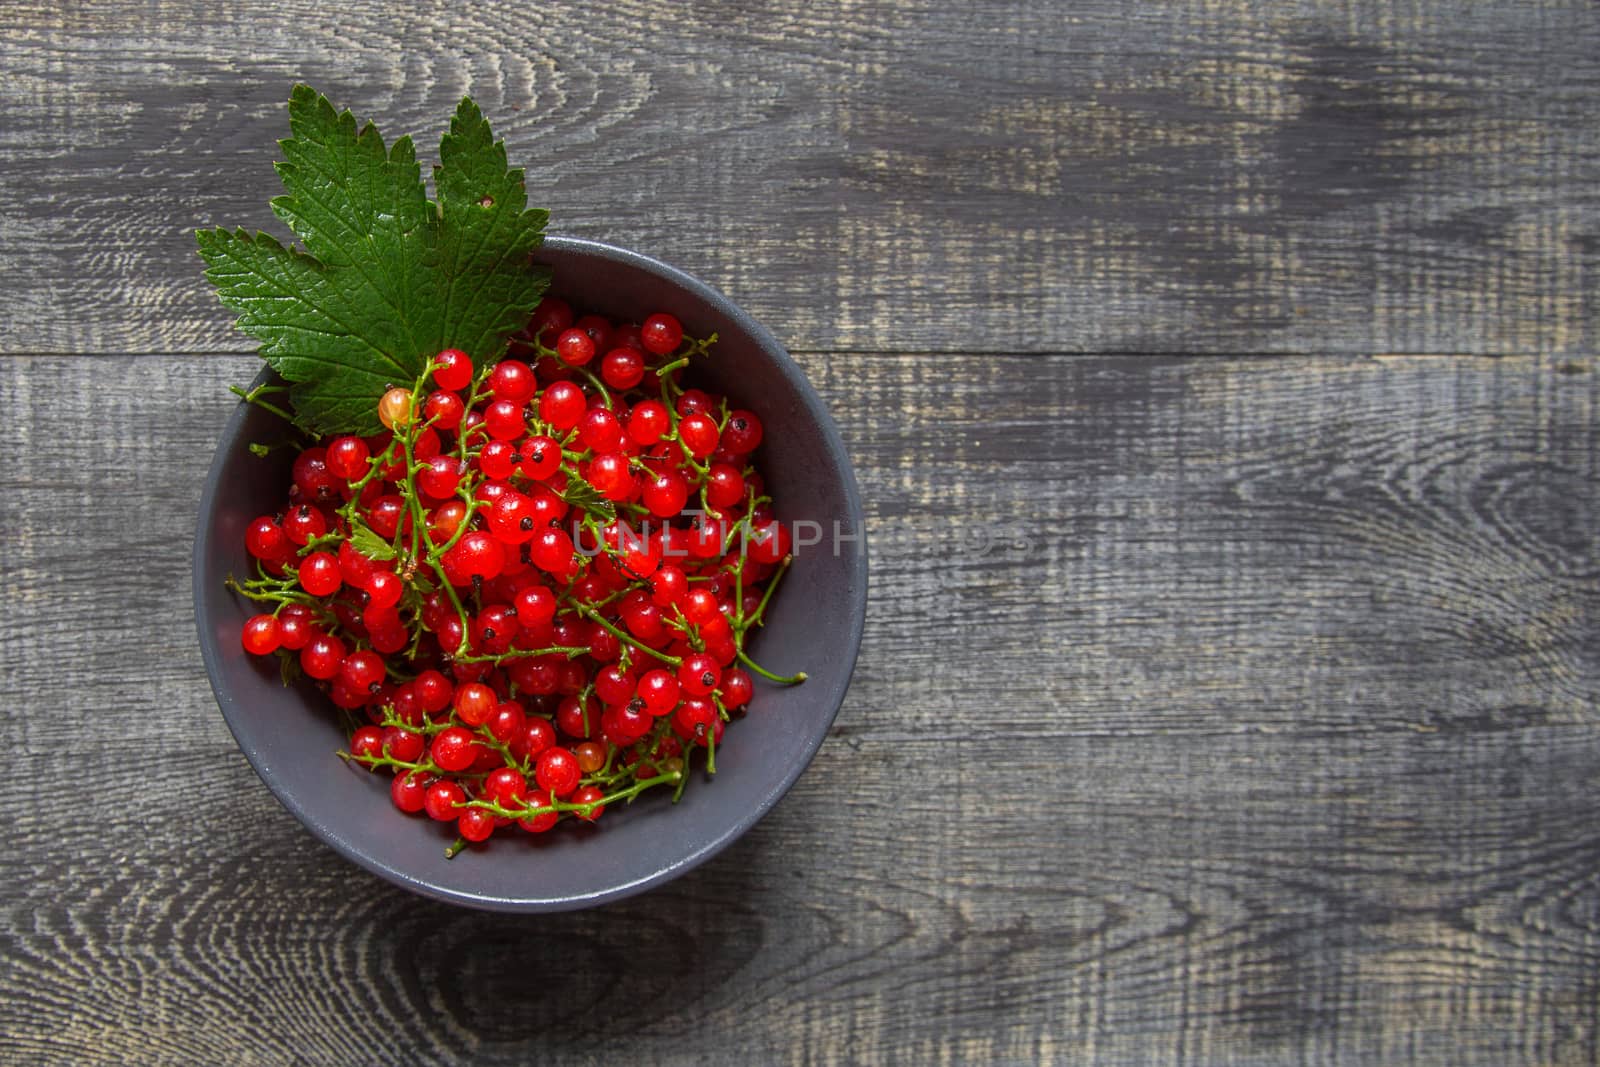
x: 442, y: 799
x: 321, y: 656
x: 648, y: 421
x: 613, y: 685
x: 474, y: 703
x: 610, y: 475
x: 668, y: 585
x: 695, y: 720
x: 265, y: 539
x: 452, y: 369
x: 367, y: 743
x: 404, y: 745
x: 508, y: 722
x: 434, y: 691
x: 643, y: 619
x: 538, y: 824
x: 557, y: 771
x: 659, y: 690
x: 699, y: 434
x: 513, y: 382
x: 575, y: 718
x: 505, y: 786
x: 562, y: 405
x: 512, y: 518
x: 591, y: 795
x: 625, y: 725
x: 476, y: 555
x: 452, y: 749
x: 541, y: 457
x: 622, y: 368
x: 319, y: 574
x: 666, y: 494
x: 260, y: 636
x: 444, y: 410
x: 295, y: 627
x: 691, y: 401
x: 362, y: 671
x: 552, y: 551
x: 737, y: 688
x: 354, y: 568
x: 439, y: 477
x: 312, y: 476
x: 409, y: 791
x: 349, y: 457
x: 742, y: 433
x: 552, y: 314
x: 538, y: 736
x: 383, y: 589
x: 386, y: 515
x: 769, y: 542
x: 699, y: 674
x: 661, y: 334
x: 574, y: 347
x: 699, y: 605
x: 600, y: 431
x: 536, y: 606
x: 305, y: 523
x: 724, y: 485
x: 503, y: 419
x: 475, y: 824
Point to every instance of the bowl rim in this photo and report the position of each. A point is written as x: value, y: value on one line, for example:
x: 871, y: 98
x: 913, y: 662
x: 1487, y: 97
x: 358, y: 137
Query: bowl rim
x: 351, y: 850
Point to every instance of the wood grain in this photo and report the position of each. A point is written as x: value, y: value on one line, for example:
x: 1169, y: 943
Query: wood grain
x: 1264, y: 734
x: 1346, y: 177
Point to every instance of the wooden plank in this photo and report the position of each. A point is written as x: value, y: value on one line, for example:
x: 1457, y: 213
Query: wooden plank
x: 1339, y: 176
x: 1266, y: 736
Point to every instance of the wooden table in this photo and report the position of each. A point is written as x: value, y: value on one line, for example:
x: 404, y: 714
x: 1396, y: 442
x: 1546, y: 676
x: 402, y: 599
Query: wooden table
x: 1264, y: 333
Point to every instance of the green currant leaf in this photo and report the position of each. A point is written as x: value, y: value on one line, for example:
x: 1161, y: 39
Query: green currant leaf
x: 386, y: 277
x: 580, y: 494
x: 366, y: 541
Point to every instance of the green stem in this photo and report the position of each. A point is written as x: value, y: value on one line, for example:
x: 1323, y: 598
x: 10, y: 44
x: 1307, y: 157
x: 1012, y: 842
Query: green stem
x: 766, y: 595
x: 627, y: 639
x: 254, y: 397
x: 792, y: 679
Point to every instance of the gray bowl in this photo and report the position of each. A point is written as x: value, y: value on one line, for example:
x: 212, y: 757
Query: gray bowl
x: 290, y: 735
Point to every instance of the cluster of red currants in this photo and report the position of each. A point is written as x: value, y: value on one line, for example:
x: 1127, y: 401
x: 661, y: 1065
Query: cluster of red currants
x: 530, y: 595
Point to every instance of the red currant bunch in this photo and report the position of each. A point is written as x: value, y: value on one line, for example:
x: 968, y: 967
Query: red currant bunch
x: 530, y: 595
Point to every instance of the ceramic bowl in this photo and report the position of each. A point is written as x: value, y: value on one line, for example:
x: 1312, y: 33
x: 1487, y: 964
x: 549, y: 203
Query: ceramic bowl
x: 290, y: 734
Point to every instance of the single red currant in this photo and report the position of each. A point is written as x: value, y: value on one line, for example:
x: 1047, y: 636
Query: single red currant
x: 557, y: 770
x: 349, y: 457
x: 590, y: 795
x: 442, y: 799
x: 648, y: 421
x: 452, y: 749
x: 452, y: 369
x: 574, y: 347
x: 562, y: 405
x: 260, y: 636
x: 409, y: 791
x: 661, y: 334
x: 513, y: 382
x: 622, y: 368
x: 321, y: 656
x: 541, y: 457
x: 699, y: 434
x: 319, y: 574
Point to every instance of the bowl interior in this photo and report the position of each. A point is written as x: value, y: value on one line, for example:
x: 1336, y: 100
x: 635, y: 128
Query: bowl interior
x: 814, y: 624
